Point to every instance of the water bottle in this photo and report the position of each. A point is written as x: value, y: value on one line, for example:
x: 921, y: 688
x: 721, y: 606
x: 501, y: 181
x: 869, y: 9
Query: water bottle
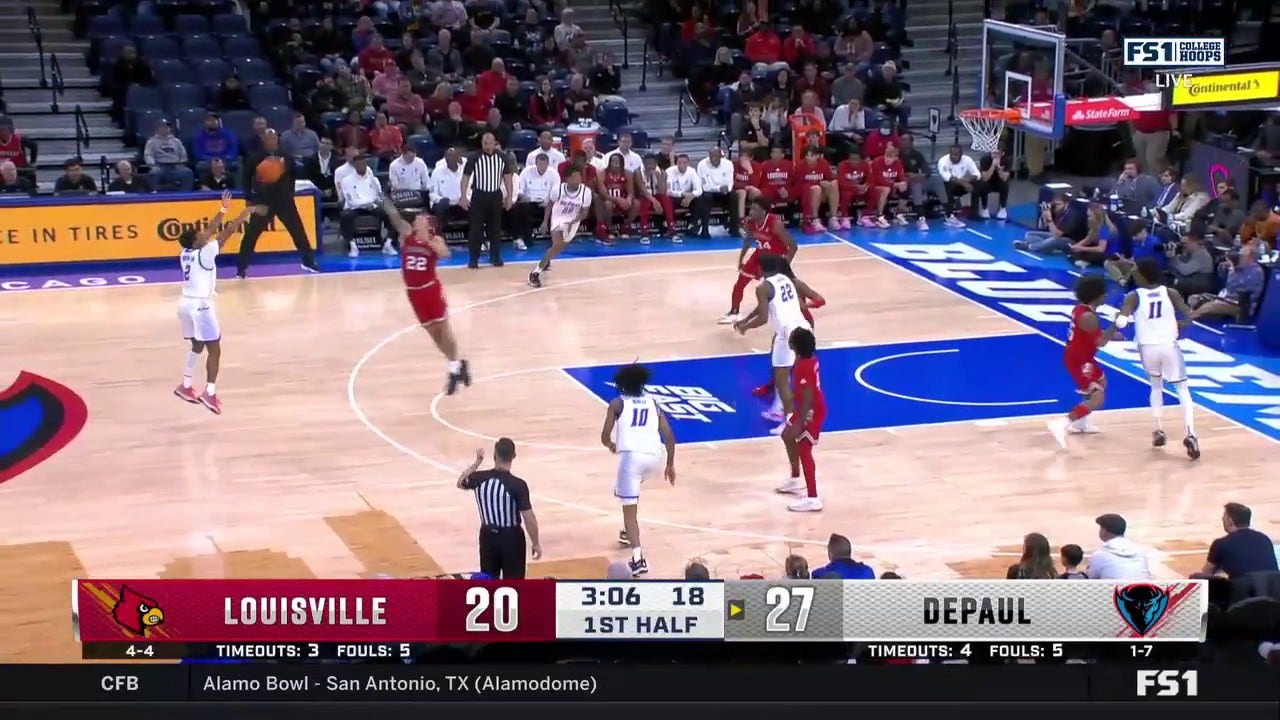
x: 1115, y: 202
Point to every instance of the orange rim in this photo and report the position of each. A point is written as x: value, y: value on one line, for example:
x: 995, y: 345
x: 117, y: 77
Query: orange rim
x: 1009, y: 115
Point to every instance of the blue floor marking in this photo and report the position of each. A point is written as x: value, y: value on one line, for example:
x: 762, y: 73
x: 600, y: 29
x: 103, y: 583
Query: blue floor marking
x: 1229, y: 373
x: 872, y: 386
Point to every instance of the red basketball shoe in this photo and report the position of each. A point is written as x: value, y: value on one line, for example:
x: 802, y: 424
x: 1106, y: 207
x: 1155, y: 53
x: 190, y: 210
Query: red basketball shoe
x: 212, y: 402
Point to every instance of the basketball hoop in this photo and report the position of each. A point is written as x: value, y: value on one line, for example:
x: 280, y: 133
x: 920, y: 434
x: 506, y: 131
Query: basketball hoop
x: 986, y: 124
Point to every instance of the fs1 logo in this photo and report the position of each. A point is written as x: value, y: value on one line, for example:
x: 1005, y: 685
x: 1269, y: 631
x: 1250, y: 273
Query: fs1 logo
x: 1174, y: 52
x: 1168, y: 683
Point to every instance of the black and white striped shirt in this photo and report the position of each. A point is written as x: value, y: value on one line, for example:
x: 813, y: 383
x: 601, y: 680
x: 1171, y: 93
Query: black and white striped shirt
x: 500, y: 497
x: 486, y: 170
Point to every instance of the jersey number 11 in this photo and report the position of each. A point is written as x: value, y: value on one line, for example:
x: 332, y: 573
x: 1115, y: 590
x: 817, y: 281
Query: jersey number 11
x: 1155, y: 309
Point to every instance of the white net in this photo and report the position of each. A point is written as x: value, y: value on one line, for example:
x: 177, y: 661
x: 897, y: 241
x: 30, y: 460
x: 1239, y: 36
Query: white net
x: 984, y: 130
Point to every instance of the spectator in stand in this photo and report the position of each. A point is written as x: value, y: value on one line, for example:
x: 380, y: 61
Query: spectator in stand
x: 325, y: 97
x: 685, y: 189
x: 216, y: 178
x: 696, y: 572
x: 1179, y: 211
x: 475, y: 107
x: 1118, y: 558
x: 962, y: 177
x: 545, y: 108
x: 567, y: 34
x: 445, y: 58
x: 840, y: 563
x: 1192, y: 268
x: 1260, y: 227
x: 353, y: 134
x: 17, y: 149
x: 327, y: 44
x: 492, y: 81
x: 215, y: 141
x: 797, y: 49
x: 795, y: 568
x: 406, y: 109
x: 73, y: 180
x: 855, y: 46
x: 449, y: 14
x: 885, y: 94
x: 605, y: 76
x: 299, y: 142
x: 404, y: 56
x: 293, y: 50
x: 1151, y: 132
x: 409, y: 173
x: 354, y: 87
x: 877, y: 142
x: 748, y: 20
x: 1036, y: 562
x: 764, y: 48
x: 231, y: 95
x: 533, y: 189
x: 546, y: 145
x: 253, y: 144
x: 167, y: 158
x: 1136, y: 186
x: 826, y: 62
x: 922, y: 180
x: 810, y: 105
x: 360, y: 195
x: 811, y: 81
x: 126, y: 181
x: 128, y: 69
x: 715, y: 174
x: 454, y: 129
x: 422, y: 79
x: 1168, y: 187
x: 512, y: 107
x: 689, y: 28
x: 386, y: 84
x: 1071, y: 557
x: 848, y: 87
x: 734, y: 101
x: 579, y: 102
x: 11, y: 182
x: 1240, y: 296
x: 375, y: 58
x: 848, y: 125
x: 363, y: 33
x: 1266, y: 147
x: 446, y: 187
x: 706, y: 82
x: 493, y: 124
x: 385, y: 140
x: 1242, y: 550
x: 995, y: 174
x: 436, y: 107
x: 1224, y: 223
x: 1099, y: 241
x: 321, y: 168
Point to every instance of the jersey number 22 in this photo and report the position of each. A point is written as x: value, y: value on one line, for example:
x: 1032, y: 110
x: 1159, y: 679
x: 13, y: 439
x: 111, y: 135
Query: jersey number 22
x: 787, y: 293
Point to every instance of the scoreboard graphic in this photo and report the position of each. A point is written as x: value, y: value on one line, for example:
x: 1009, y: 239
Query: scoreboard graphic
x: 148, y: 619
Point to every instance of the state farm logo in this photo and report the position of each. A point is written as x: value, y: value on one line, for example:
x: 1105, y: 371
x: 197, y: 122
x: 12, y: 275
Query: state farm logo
x: 1109, y: 111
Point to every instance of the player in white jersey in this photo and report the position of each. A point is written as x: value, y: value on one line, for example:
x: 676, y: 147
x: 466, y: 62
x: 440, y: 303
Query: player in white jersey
x: 567, y: 207
x: 196, y: 312
x: 643, y: 440
x: 778, y: 303
x: 1159, y: 315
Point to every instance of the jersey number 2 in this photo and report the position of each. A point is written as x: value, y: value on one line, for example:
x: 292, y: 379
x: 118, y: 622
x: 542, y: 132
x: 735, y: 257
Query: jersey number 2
x: 186, y: 272
x: 640, y: 417
x: 787, y: 293
x: 1153, y: 313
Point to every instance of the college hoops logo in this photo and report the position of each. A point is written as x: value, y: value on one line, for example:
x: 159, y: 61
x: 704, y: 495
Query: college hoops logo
x: 1141, y: 606
x: 39, y: 417
x: 136, y: 612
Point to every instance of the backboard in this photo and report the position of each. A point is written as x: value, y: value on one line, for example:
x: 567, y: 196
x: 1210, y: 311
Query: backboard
x: 1022, y: 68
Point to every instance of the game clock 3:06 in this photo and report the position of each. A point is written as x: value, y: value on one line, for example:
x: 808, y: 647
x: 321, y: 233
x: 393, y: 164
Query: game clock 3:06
x: 629, y: 595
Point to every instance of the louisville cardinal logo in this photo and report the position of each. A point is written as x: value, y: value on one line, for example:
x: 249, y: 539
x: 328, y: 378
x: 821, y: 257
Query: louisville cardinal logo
x: 136, y: 612
x: 39, y: 417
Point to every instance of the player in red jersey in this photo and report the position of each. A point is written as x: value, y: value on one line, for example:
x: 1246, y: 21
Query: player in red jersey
x: 420, y: 249
x: 773, y: 178
x: 887, y: 173
x: 805, y: 424
x: 652, y: 192
x: 744, y: 182
x: 619, y: 197
x: 1083, y: 340
x: 813, y: 181
x: 854, y: 183
x: 770, y: 236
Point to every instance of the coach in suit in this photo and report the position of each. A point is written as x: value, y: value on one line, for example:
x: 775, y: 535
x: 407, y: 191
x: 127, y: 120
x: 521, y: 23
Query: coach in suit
x: 320, y: 169
x: 276, y: 201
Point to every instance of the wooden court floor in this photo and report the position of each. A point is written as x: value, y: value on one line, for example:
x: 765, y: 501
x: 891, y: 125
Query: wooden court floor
x: 329, y: 462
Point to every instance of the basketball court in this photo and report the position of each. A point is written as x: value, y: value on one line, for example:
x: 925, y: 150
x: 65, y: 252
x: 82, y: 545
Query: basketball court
x: 336, y: 456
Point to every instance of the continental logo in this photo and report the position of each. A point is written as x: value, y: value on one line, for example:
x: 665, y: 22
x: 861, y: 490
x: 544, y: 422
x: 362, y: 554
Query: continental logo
x: 1227, y: 89
x: 170, y: 229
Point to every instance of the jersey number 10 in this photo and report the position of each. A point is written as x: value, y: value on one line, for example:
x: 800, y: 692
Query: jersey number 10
x: 639, y: 417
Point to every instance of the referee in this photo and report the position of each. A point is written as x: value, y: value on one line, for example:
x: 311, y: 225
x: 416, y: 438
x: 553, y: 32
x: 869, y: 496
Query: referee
x: 486, y: 174
x: 503, y: 502
x: 279, y: 203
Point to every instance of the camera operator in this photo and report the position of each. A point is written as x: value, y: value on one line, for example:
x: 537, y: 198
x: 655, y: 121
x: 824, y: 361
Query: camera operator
x: 1239, y: 298
x: 1191, y: 266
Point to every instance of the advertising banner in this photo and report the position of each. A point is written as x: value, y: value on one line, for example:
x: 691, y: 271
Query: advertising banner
x: 1242, y: 85
x: 115, y: 228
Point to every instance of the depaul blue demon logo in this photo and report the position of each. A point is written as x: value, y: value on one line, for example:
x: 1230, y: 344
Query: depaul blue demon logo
x: 1141, y: 606
x: 39, y: 417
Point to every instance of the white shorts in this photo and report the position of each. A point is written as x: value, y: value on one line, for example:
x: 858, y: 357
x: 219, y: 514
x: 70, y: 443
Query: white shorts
x: 1163, y: 361
x: 569, y: 227
x: 199, y: 320
x: 633, y: 469
x: 782, y: 354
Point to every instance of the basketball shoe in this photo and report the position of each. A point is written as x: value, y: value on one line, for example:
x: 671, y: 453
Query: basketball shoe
x: 187, y: 393
x: 212, y: 402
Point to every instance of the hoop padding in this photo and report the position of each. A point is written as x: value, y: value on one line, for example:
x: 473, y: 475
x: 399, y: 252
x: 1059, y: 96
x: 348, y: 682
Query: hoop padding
x: 985, y: 126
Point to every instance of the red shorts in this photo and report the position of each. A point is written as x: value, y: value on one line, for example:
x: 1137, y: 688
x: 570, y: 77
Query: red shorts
x: 428, y: 304
x: 751, y: 267
x: 774, y: 195
x: 812, y: 429
x: 849, y: 193
x: 1087, y: 375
